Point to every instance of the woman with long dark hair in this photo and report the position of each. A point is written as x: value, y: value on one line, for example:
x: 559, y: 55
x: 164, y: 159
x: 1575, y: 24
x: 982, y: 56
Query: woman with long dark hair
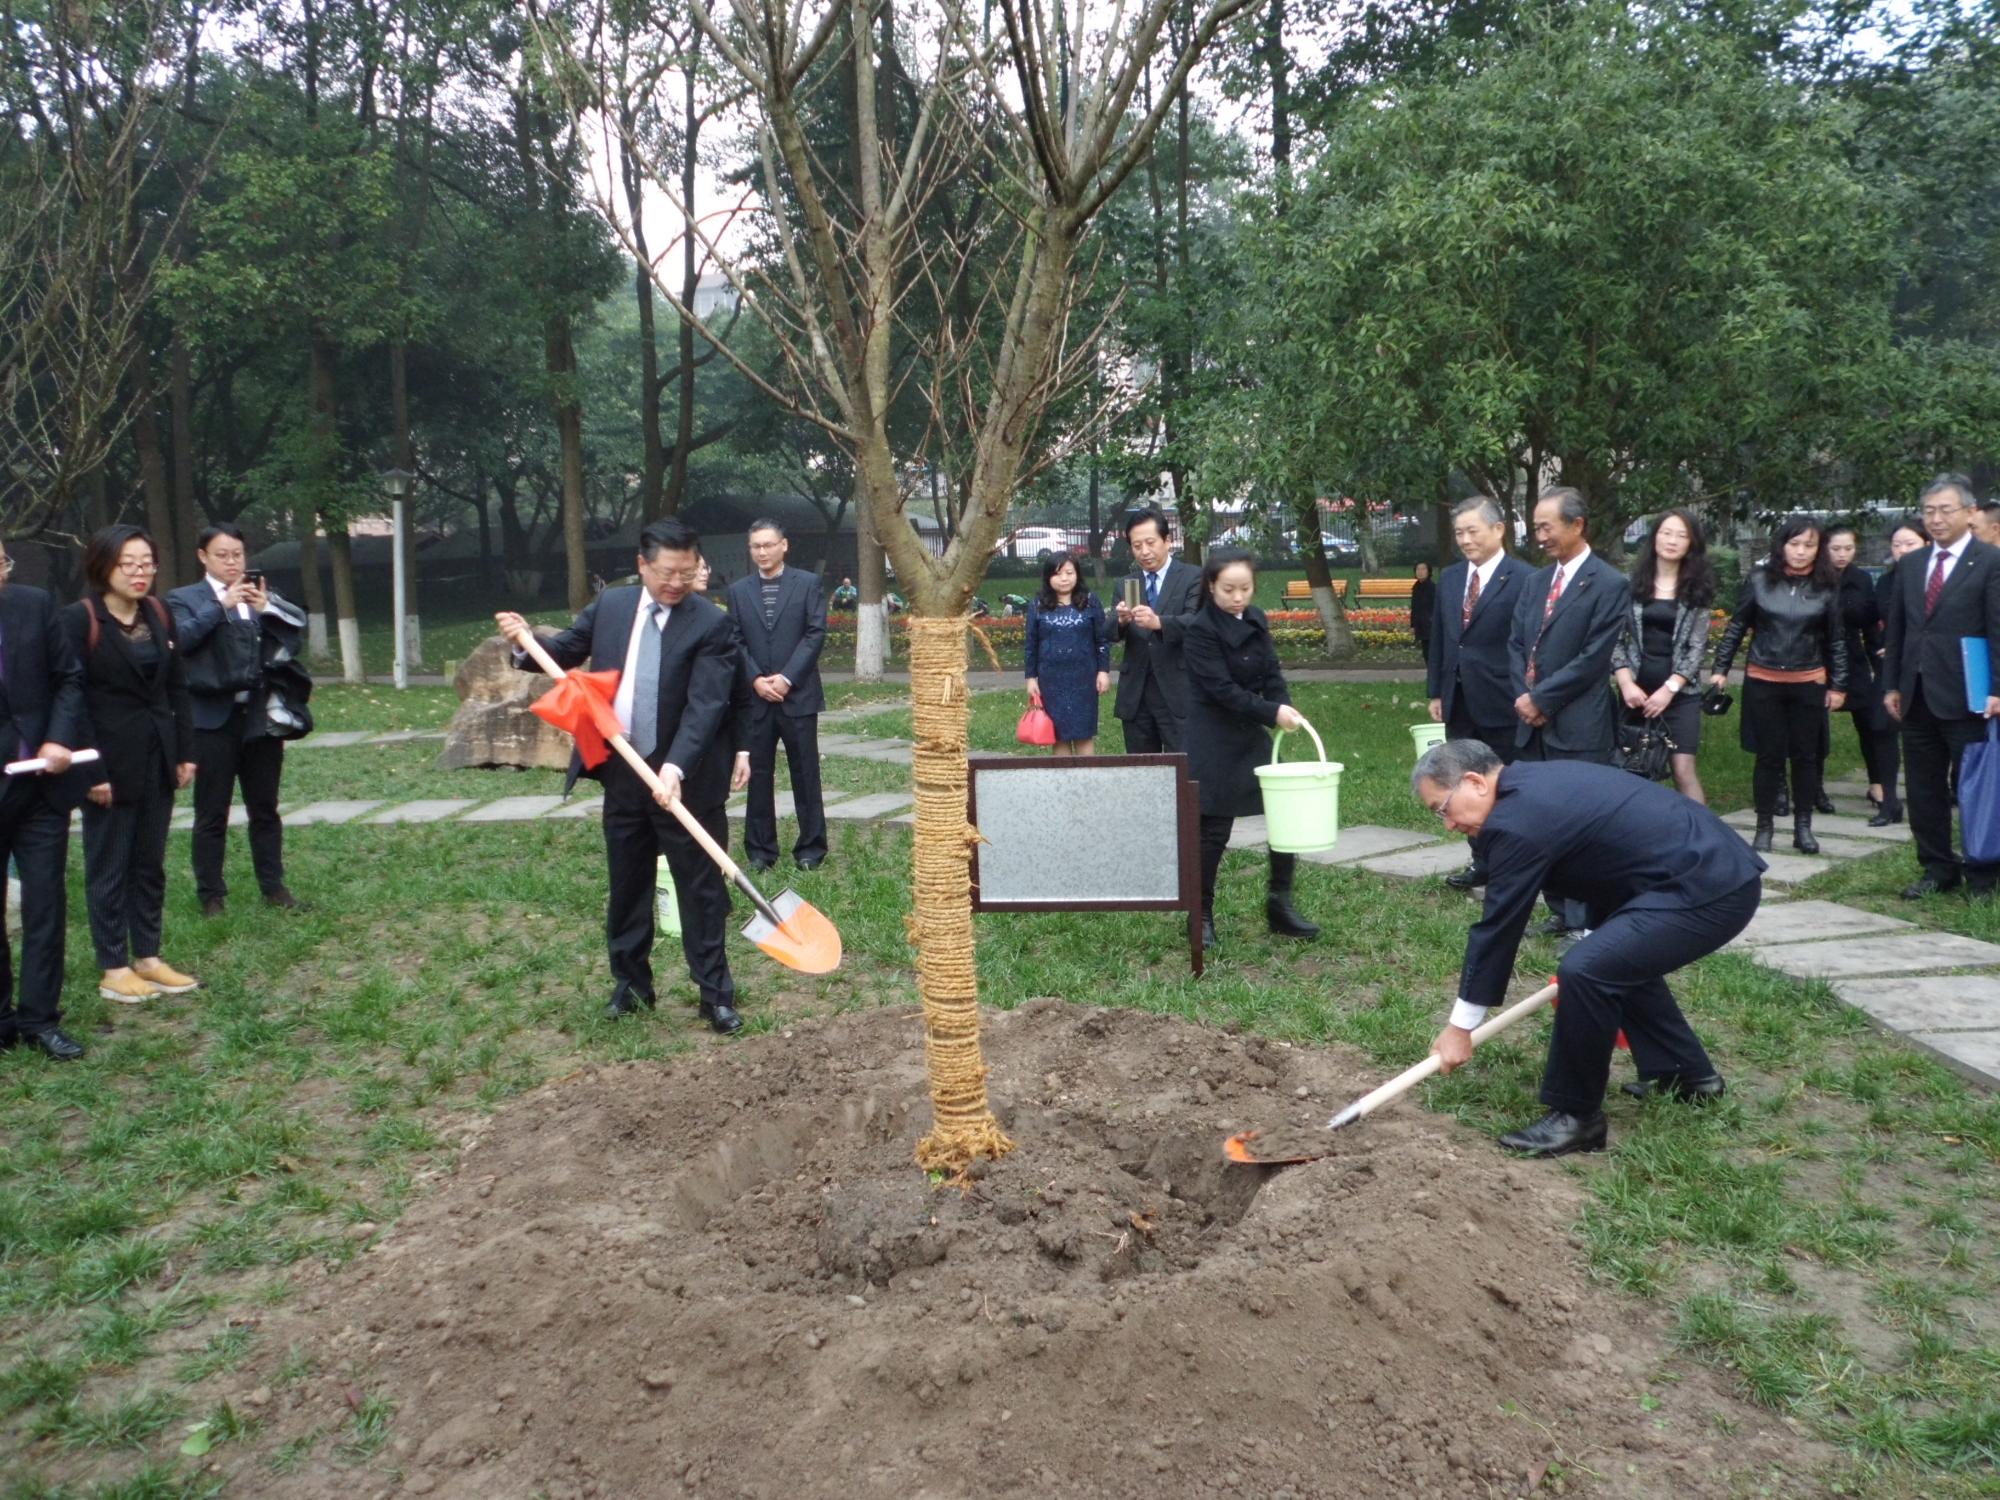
x: 1236, y: 695
x: 1797, y: 671
x: 1657, y: 661
x: 1068, y: 656
x: 135, y: 691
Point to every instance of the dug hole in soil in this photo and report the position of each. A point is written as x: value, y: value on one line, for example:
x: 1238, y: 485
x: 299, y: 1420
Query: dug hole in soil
x: 724, y: 1277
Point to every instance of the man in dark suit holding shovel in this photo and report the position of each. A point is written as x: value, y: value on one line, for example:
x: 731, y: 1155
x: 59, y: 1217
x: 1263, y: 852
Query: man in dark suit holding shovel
x: 780, y: 616
x: 1471, y: 681
x: 1664, y: 882
x: 676, y: 658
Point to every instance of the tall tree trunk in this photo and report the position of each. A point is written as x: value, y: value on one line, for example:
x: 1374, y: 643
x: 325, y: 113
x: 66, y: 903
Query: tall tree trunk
x: 406, y: 459
x: 569, y: 427
x: 653, y: 462
x: 871, y: 615
x: 326, y: 433
x: 310, y: 583
x: 1326, y: 598
x: 180, y: 376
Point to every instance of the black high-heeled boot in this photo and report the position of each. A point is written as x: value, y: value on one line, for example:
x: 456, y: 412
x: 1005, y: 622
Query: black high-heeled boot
x: 1889, y: 812
x: 1766, y: 831
x: 1283, y: 917
x: 1802, y: 834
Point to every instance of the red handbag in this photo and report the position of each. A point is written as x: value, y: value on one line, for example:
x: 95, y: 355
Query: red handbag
x: 1036, y: 727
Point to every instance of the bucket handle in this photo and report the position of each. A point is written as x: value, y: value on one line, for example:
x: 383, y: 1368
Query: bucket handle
x: 1278, y: 741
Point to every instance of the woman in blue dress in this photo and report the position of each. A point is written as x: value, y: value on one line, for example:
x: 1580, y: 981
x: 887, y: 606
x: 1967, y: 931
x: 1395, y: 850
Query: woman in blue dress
x: 1068, y: 655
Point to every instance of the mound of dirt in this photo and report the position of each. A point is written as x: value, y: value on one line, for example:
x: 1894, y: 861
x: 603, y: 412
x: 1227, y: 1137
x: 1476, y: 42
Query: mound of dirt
x: 725, y: 1278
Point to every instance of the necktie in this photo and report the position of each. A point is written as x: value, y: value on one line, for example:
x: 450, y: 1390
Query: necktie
x: 1555, y: 593
x: 1936, y: 585
x: 646, y: 686
x: 1152, y: 590
x: 1471, y: 598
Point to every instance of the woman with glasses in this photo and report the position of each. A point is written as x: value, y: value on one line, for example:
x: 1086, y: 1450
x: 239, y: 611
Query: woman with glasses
x: 135, y: 691
x: 1790, y: 607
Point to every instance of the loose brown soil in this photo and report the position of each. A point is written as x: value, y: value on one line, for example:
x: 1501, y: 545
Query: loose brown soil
x: 724, y: 1278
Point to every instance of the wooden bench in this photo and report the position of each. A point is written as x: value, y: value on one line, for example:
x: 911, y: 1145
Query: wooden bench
x: 1298, y: 588
x: 1384, y: 588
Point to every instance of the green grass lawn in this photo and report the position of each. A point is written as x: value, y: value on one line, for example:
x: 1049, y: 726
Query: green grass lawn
x: 1827, y: 1233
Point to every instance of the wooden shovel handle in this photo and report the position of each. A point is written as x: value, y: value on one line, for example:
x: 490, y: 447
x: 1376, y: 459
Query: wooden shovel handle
x: 1410, y: 1077
x: 534, y: 648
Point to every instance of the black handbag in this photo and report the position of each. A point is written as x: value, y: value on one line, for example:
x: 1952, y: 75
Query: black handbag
x: 1644, y: 748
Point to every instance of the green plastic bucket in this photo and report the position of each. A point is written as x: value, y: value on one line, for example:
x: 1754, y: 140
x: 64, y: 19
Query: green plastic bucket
x: 1301, y: 800
x: 1427, y: 734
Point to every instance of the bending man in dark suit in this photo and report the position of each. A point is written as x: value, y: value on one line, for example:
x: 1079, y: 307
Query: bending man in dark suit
x: 1152, y: 684
x: 1566, y: 626
x: 1666, y: 882
x: 1471, y: 679
x: 675, y: 654
x: 1948, y: 591
x: 222, y: 622
x: 780, y: 616
x: 41, y: 714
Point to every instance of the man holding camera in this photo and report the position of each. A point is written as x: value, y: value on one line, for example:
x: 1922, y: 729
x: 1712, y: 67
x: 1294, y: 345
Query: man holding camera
x: 224, y: 623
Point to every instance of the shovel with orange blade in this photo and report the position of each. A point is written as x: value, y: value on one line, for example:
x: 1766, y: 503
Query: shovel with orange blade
x: 789, y: 928
x: 1245, y: 1146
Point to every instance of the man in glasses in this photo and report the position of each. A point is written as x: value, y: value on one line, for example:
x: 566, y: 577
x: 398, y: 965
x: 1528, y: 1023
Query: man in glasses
x: 1665, y: 882
x: 42, y: 717
x: 676, y: 656
x: 1941, y: 595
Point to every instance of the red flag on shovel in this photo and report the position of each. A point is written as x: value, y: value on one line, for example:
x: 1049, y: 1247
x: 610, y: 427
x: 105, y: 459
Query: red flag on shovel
x: 580, y: 706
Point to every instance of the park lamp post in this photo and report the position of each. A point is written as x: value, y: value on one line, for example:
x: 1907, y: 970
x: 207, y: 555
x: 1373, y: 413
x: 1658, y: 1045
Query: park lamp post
x: 396, y: 485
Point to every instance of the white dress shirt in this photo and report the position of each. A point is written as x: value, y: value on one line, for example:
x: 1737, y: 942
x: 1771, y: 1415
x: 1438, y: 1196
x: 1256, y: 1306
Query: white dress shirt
x: 1484, y: 572
x: 621, y: 702
x: 1950, y: 554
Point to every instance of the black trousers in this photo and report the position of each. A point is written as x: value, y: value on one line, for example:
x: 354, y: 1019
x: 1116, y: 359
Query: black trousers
x: 1786, y: 721
x: 125, y: 874
x: 799, y: 734
x: 637, y: 831
x: 1155, y: 729
x: 1575, y: 915
x: 222, y: 759
x: 1882, y: 752
x: 1931, y: 748
x: 1499, y: 738
x: 1617, y: 977
x: 36, y: 837
x: 1215, y: 841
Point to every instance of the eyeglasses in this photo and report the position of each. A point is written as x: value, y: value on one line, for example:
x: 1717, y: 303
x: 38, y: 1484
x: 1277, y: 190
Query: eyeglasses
x: 148, y: 566
x: 1443, y: 809
x: 1942, y: 510
x: 673, y: 575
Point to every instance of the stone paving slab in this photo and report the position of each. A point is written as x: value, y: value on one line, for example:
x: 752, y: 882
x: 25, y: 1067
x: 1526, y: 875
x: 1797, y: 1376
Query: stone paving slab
x: 1366, y: 841
x: 239, y: 816
x: 513, y: 810
x: 1839, y: 826
x: 1414, y: 864
x: 1249, y: 832
x: 1829, y: 847
x: 423, y: 810
x: 1928, y: 1002
x: 865, y: 748
x: 1804, y: 921
x: 874, y: 805
x: 332, y: 739
x: 579, y: 807
x: 1974, y: 1055
x: 330, y: 812
x: 404, y: 736
x: 888, y: 755
x: 1897, y: 953
x: 1787, y: 868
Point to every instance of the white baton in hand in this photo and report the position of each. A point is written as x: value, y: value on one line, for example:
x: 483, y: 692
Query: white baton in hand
x: 29, y: 767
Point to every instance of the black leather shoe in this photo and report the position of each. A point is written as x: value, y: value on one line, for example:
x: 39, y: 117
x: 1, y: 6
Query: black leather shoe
x: 763, y: 866
x: 1284, y: 918
x: 1890, y: 815
x: 213, y: 907
x: 284, y: 900
x: 810, y: 862
x: 1207, y: 934
x: 1930, y: 885
x: 1823, y: 804
x: 1553, y: 927
x: 624, y: 1003
x: 52, y: 1044
x: 722, y: 1017
x: 1558, y: 1134
x: 1679, y: 1086
x: 1802, y: 834
x: 1766, y: 831
x: 1471, y: 878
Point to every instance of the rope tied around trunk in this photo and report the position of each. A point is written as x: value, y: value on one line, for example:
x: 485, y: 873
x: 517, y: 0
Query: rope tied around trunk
x: 940, y: 924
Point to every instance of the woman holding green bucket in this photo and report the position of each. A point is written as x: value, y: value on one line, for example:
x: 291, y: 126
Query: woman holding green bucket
x: 1236, y: 695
